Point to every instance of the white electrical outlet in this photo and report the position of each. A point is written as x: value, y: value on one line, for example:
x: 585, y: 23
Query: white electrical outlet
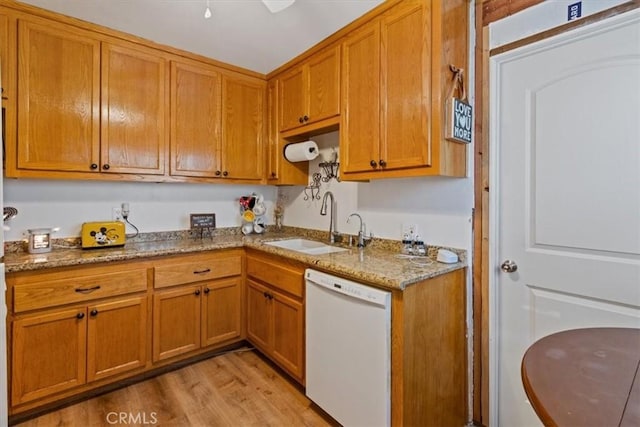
x: 116, y: 214
x: 409, y: 229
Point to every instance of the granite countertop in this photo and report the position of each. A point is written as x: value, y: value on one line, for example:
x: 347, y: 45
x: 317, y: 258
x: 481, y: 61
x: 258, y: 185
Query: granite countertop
x: 379, y: 266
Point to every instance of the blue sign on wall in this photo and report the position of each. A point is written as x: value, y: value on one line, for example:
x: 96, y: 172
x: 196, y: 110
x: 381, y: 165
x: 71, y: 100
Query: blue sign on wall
x: 574, y: 11
x: 459, y: 121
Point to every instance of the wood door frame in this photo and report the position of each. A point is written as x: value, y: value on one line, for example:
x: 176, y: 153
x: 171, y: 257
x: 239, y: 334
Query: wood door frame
x: 486, y: 12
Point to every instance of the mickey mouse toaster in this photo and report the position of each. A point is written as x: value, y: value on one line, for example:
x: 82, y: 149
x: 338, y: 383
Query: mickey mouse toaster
x: 103, y: 234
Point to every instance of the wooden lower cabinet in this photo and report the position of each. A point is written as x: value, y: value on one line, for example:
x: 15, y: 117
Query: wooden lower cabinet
x: 49, y: 354
x: 116, y: 337
x: 275, y: 311
x: 176, y: 322
x: 221, y: 311
x: 275, y: 325
x: 191, y: 317
x: 61, y: 349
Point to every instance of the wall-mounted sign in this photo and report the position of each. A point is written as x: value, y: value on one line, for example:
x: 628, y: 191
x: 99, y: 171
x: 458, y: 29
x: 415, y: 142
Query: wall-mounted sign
x: 459, y: 121
x: 574, y: 11
x: 199, y: 221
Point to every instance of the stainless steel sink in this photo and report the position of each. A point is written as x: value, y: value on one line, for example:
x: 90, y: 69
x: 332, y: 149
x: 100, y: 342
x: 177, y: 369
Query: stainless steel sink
x: 305, y: 246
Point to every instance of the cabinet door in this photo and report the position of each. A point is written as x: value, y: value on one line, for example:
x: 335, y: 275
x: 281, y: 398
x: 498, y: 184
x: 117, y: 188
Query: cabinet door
x: 176, y: 322
x: 243, y: 117
x: 117, y: 337
x: 360, y: 120
x: 49, y: 354
x: 8, y: 68
x: 195, y: 120
x: 58, y: 107
x: 323, y: 89
x: 273, y: 134
x: 259, y: 316
x: 292, y: 100
x: 288, y: 333
x: 221, y: 311
x: 134, y: 114
x: 7, y: 56
x: 405, y: 87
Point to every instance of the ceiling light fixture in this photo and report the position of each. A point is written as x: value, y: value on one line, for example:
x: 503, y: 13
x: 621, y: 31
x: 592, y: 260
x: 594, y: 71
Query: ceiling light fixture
x: 207, y: 11
x: 276, y: 6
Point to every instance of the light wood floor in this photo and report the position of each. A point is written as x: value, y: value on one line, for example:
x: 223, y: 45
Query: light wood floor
x: 234, y: 389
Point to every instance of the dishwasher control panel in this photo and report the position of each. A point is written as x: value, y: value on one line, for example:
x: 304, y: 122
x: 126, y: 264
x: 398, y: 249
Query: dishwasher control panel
x: 348, y: 287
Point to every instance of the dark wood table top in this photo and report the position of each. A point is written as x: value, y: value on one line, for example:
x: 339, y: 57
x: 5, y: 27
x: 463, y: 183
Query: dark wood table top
x: 585, y: 377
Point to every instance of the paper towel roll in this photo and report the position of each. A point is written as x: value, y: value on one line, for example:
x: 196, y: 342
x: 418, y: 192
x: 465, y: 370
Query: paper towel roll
x: 301, y: 151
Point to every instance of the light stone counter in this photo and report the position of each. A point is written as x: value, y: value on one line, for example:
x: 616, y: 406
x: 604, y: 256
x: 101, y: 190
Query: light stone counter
x: 378, y: 265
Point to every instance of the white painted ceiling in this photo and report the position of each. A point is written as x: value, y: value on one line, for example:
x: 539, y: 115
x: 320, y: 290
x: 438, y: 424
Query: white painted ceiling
x: 240, y: 32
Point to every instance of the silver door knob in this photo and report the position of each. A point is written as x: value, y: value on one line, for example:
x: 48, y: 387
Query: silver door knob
x: 509, y: 266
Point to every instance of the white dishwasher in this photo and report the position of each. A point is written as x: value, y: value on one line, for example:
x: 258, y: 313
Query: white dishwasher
x: 348, y: 350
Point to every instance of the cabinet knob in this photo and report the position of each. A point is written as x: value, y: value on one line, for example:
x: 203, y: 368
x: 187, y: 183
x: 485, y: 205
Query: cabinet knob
x: 306, y: 118
x: 273, y: 174
x: 94, y: 166
x: 207, y: 290
x: 106, y: 166
x: 300, y: 119
x: 225, y: 173
x: 382, y: 163
x: 80, y: 316
x: 94, y: 313
x: 218, y: 173
x: 373, y: 164
x: 197, y: 292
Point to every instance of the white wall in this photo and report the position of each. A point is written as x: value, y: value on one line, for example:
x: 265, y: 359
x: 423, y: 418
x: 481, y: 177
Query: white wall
x: 440, y: 207
x: 154, y: 207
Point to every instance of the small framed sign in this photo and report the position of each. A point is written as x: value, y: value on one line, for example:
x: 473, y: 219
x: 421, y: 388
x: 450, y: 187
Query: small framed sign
x: 199, y: 221
x: 459, y: 113
x: 459, y: 121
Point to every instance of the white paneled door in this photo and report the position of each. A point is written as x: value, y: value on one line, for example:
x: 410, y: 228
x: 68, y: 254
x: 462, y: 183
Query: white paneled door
x: 565, y: 174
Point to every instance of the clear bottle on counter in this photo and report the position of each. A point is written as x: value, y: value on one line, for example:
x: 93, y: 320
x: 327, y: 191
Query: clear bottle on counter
x: 420, y: 248
x: 407, y: 245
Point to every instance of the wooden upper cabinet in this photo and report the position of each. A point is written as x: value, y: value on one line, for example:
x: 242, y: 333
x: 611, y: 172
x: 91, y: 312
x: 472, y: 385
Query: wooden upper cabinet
x: 292, y: 97
x: 7, y: 57
x: 8, y: 80
x: 274, y: 156
x: 405, y: 87
x: 196, y: 97
x: 134, y: 113
x: 243, y: 132
x: 360, y: 129
x: 323, y: 81
x: 279, y: 171
x: 310, y: 92
x: 58, y: 106
x: 395, y: 84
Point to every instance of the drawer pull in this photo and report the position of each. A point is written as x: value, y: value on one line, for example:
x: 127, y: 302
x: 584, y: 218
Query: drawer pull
x: 207, y: 290
x: 87, y: 290
x: 208, y: 270
x: 80, y: 316
x: 94, y: 313
x: 197, y: 292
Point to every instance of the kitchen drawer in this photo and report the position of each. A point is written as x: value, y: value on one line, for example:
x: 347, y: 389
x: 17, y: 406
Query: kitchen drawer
x: 196, y: 268
x: 89, y: 284
x: 279, y: 275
